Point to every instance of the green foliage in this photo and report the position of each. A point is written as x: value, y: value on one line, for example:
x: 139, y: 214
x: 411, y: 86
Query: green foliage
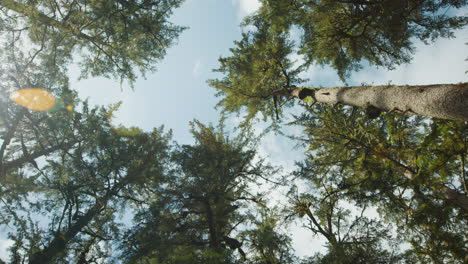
x: 79, y: 190
x: 260, y: 74
x: 113, y: 37
x: 351, y: 237
x: 196, y: 217
x: 121, y: 129
x: 267, y: 243
x: 405, y: 166
x: 345, y: 33
x: 198, y: 203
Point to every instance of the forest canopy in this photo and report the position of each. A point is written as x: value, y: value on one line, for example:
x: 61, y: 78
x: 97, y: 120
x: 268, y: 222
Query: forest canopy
x: 382, y: 178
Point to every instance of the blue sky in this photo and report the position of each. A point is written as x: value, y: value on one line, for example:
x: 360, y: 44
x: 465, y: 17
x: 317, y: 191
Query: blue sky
x: 178, y: 93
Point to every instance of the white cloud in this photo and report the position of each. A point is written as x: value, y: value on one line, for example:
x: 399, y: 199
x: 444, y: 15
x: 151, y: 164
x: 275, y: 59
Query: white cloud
x: 440, y: 62
x: 4, y: 245
x: 197, y: 70
x: 246, y: 7
x: 304, y: 242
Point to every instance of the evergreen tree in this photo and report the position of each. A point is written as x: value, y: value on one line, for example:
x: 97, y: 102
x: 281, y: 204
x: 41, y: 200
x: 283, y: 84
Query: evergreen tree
x: 266, y: 243
x: 28, y: 135
x: 350, y: 237
x: 373, y: 162
x: 260, y: 76
x: 345, y: 33
x: 28, y: 138
x: 411, y: 169
x: 81, y: 190
x: 114, y: 37
x: 197, y: 217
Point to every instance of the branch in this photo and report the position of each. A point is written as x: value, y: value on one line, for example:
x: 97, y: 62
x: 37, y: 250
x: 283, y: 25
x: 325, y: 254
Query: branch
x: 34, y: 14
x: 31, y: 157
x: 357, y: 2
x: 320, y: 229
x: 462, y: 176
x: 257, y: 201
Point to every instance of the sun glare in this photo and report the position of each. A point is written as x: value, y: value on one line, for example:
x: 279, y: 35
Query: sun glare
x: 36, y: 99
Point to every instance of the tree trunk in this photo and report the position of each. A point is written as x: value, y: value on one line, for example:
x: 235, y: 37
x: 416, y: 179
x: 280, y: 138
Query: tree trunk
x: 446, y: 101
x: 329, y: 236
x: 215, y: 240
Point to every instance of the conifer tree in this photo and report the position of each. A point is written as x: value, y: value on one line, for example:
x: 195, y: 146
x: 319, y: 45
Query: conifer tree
x: 260, y: 76
x: 115, y: 38
x: 411, y: 169
x: 198, y: 217
x: 79, y: 191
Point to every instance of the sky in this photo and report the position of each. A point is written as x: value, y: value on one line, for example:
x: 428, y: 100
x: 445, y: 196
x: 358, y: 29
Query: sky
x: 178, y: 92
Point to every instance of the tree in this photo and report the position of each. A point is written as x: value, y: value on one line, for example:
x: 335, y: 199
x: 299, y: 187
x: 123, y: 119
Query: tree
x: 261, y: 77
x: 266, y: 243
x: 350, y: 237
x: 33, y: 135
x: 81, y: 189
x: 28, y: 138
x: 28, y: 135
x: 413, y: 170
x: 345, y: 33
x: 195, y: 219
x: 114, y: 37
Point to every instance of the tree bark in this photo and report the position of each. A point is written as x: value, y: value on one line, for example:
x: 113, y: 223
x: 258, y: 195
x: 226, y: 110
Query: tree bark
x: 215, y: 242
x: 446, y: 101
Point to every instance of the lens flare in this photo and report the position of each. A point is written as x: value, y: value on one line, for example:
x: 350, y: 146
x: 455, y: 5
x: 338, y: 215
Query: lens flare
x: 36, y: 99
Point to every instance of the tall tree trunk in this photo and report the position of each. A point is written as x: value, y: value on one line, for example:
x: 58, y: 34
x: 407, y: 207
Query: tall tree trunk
x: 215, y: 240
x: 328, y: 235
x: 59, y: 243
x: 446, y: 101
